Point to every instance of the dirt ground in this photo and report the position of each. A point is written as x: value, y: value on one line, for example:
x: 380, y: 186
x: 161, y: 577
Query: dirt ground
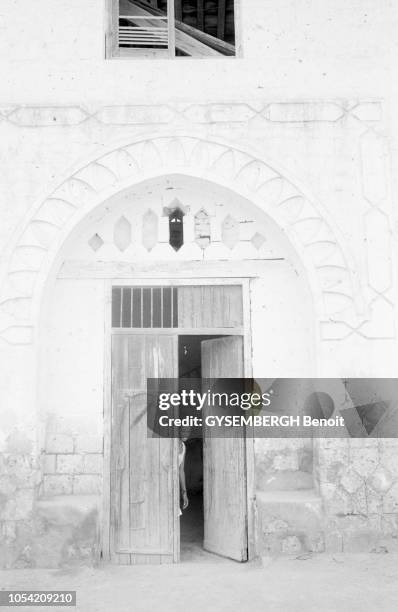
x: 336, y: 583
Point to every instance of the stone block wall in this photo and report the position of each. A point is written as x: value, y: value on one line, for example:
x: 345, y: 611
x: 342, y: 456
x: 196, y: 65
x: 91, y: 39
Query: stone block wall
x: 290, y: 515
x: 20, y: 476
x: 72, y: 466
x: 358, y: 482
x: 350, y: 500
x: 289, y: 522
x: 49, y: 503
x: 284, y: 464
x: 61, y: 532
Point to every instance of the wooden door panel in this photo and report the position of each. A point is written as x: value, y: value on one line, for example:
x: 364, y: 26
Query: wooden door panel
x: 144, y: 494
x: 224, y: 463
x: 210, y: 306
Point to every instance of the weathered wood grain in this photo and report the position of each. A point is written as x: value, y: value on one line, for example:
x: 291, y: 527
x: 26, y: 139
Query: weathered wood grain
x: 224, y: 469
x: 144, y: 500
x: 210, y: 306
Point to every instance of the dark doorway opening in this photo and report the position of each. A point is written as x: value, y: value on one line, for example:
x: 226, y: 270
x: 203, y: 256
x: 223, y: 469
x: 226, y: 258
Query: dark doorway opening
x: 192, y: 518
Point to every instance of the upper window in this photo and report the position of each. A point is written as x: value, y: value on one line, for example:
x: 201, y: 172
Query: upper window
x: 172, y: 28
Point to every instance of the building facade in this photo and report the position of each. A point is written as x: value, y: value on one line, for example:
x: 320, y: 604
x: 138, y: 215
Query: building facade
x: 281, y: 163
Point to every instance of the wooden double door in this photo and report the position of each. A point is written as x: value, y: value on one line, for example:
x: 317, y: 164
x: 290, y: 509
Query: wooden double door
x: 144, y: 495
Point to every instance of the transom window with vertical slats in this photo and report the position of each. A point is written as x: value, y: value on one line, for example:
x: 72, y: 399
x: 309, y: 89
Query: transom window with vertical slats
x: 145, y: 307
x: 185, y: 307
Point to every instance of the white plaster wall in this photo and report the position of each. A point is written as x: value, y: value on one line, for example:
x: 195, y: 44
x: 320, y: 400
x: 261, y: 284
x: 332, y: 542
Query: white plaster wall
x: 18, y: 383
x: 71, y: 398
x: 314, y: 94
x: 302, y: 48
x: 73, y: 401
x: 284, y: 336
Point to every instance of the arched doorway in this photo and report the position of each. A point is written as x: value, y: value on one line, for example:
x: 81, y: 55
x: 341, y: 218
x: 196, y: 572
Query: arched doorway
x: 283, y: 245
x: 235, y: 273
x: 125, y: 241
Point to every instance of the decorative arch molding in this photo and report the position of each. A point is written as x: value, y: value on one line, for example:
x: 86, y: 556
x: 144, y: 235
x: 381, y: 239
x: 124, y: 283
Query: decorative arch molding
x: 317, y: 242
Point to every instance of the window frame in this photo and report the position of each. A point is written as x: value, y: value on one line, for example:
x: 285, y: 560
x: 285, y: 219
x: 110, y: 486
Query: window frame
x: 113, y: 51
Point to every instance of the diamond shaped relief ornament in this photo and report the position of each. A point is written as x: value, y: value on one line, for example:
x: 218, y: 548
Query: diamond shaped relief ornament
x: 257, y: 241
x: 95, y: 242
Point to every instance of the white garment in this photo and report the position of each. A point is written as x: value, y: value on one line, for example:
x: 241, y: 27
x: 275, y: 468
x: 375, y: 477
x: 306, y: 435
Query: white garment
x: 181, y: 452
x: 182, y: 449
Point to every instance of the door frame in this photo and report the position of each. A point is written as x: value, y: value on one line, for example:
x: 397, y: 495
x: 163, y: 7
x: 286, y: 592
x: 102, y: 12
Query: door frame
x: 244, y: 331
